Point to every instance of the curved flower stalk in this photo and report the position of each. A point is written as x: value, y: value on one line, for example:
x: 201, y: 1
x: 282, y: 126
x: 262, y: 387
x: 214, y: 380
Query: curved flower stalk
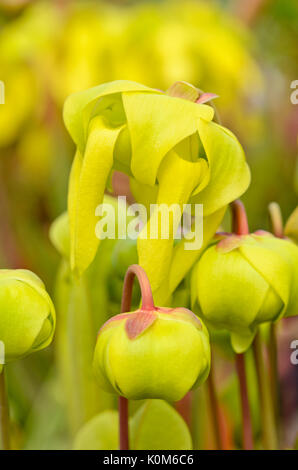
x: 242, y: 281
x: 143, y: 354
x: 169, y: 147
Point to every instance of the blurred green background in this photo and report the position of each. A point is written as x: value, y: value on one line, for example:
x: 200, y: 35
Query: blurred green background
x: 244, y: 51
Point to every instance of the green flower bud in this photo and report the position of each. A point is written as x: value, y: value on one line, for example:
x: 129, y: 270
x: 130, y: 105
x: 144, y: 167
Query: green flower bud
x: 27, y: 320
x: 291, y: 228
x: 154, y: 353
x: 245, y: 280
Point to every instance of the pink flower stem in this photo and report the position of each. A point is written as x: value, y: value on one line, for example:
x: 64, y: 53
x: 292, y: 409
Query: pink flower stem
x: 147, y: 304
x: 184, y: 408
x: 214, y: 408
x: 146, y: 293
x: 240, y: 227
x: 123, y: 423
x: 247, y: 435
x: 239, y: 218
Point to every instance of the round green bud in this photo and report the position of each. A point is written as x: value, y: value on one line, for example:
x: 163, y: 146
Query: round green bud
x: 245, y: 280
x: 27, y: 314
x: 156, y: 353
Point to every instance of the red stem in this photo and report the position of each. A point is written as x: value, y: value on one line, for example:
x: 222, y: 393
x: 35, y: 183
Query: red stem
x: 239, y: 218
x: 184, y: 407
x: 240, y: 227
x: 246, y: 418
x: 123, y: 423
x: 147, y: 297
x: 147, y: 304
x: 249, y: 10
x: 217, y: 430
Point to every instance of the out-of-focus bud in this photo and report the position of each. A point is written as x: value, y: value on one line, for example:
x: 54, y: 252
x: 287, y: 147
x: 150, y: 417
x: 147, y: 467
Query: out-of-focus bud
x: 291, y: 228
x: 59, y: 234
x: 245, y: 280
x: 27, y: 320
x: 152, y: 353
x: 124, y: 254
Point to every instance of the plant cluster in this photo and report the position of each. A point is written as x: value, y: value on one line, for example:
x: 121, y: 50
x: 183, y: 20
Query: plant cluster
x: 173, y: 152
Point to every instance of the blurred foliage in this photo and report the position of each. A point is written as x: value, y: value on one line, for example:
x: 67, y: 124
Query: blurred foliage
x: 49, y: 49
x: 156, y: 425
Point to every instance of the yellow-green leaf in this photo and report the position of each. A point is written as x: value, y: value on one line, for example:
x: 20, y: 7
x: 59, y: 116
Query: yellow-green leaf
x: 100, y: 433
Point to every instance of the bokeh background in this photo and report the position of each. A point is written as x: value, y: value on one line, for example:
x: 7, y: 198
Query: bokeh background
x: 244, y: 51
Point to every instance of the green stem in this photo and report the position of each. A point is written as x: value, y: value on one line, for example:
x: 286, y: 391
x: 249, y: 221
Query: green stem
x: 215, y: 412
x: 247, y: 434
x: 269, y: 433
x: 240, y: 227
x: 4, y: 413
x: 273, y: 364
